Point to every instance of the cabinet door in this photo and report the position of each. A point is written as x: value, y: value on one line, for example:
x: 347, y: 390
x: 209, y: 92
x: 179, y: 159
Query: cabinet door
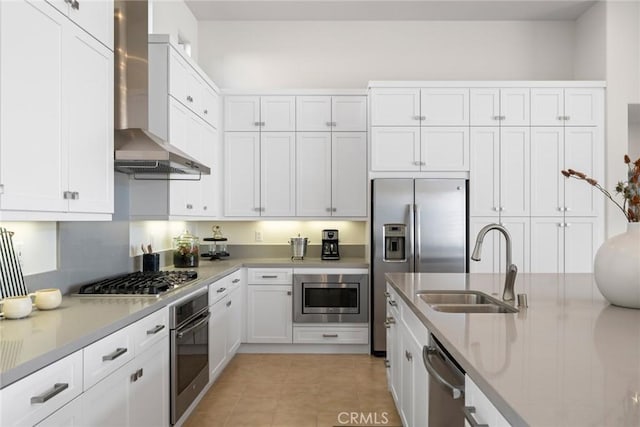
x: 394, y: 353
x: 547, y: 245
x: 211, y: 185
x: 395, y: 149
x: 349, y: 174
x: 29, y: 129
x: 234, y: 321
x: 277, y: 173
x: 489, y: 261
x: 90, y: 106
x: 547, y: 160
x: 349, y: 113
x: 395, y: 107
x: 150, y: 391
x: 70, y: 415
x: 580, y: 244
x: 313, y: 174
x: 444, y: 107
x: 178, y: 125
x: 109, y: 402
x: 520, y: 231
x: 195, y: 91
x: 241, y: 113
x: 218, y: 325
x: 444, y: 148
x: 417, y: 406
x: 269, y: 314
x: 278, y: 113
x: 484, y: 174
x: 583, y: 107
x: 178, y: 76
x: 514, y: 107
x: 514, y: 171
x: 96, y: 18
x: 242, y: 173
x: 211, y: 106
x: 580, y: 154
x: 484, y: 107
x: 313, y: 113
x: 547, y: 107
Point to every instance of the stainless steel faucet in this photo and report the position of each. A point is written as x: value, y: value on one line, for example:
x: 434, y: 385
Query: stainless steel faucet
x: 512, y: 269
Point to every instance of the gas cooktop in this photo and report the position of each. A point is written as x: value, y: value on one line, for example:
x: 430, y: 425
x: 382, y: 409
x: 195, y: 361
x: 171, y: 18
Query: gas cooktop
x: 139, y: 283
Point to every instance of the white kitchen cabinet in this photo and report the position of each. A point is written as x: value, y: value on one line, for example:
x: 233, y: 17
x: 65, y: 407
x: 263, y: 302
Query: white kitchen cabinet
x: 331, y: 113
x: 395, y: 149
x: 483, y: 412
x: 564, y: 245
x: 394, y: 347
x: 35, y: 397
x: 444, y: 107
x: 494, y: 244
x: 395, y: 106
x: 70, y: 415
x: 75, y: 166
x: 241, y: 113
x: 331, y: 174
x: 499, y: 171
x: 567, y: 106
x: 277, y: 173
x: 444, y: 148
x: 234, y: 327
x: 260, y: 113
x: 93, y: 16
x: 269, y: 306
x: 242, y: 173
x: 218, y: 324
x: 554, y: 149
x: 499, y: 107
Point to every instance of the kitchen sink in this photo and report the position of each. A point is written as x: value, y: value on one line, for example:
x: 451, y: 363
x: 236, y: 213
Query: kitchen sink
x: 465, y: 302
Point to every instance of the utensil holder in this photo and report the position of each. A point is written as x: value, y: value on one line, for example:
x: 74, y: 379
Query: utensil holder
x: 151, y: 262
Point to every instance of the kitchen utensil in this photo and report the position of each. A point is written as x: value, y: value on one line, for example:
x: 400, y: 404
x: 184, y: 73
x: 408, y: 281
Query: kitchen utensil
x: 151, y: 262
x: 185, y: 250
x: 16, y: 307
x: 298, y: 247
x: 47, y: 299
x: 11, y: 279
x: 144, y: 250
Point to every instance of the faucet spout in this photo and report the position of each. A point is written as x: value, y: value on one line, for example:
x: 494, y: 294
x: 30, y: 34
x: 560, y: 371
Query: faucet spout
x: 512, y: 270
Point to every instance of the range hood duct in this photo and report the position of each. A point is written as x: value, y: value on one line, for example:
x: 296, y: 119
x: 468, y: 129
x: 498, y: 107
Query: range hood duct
x: 137, y: 150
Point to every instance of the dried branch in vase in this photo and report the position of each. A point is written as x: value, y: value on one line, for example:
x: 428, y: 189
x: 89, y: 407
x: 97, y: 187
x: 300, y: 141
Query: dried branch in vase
x: 630, y: 189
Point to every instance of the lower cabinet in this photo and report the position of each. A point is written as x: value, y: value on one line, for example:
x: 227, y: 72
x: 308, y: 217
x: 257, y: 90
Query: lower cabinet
x: 269, y: 314
x: 136, y: 395
x: 478, y: 408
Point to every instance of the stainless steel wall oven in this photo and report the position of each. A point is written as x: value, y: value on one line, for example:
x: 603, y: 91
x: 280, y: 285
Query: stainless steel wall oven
x: 322, y: 298
x: 189, y: 322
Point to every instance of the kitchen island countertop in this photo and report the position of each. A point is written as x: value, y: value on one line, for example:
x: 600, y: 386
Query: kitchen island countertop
x: 569, y: 359
x: 29, y: 344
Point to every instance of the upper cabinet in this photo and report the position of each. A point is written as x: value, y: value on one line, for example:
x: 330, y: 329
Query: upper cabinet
x: 331, y: 113
x: 567, y: 107
x: 500, y: 107
x: 419, y: 107
x: 260, y: 113
x: 93, y: 16
x: 71, y: 145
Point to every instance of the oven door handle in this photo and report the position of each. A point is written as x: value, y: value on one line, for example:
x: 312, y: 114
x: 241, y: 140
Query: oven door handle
x: 181, y: 333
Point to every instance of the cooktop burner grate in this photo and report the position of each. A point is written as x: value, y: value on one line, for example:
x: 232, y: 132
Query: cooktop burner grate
x: 139, y: 283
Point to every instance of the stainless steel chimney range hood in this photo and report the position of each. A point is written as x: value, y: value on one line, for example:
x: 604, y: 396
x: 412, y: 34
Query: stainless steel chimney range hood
x: 137, y: 150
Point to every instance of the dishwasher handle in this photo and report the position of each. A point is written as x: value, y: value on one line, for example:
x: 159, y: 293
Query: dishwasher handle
x: 456, y: 390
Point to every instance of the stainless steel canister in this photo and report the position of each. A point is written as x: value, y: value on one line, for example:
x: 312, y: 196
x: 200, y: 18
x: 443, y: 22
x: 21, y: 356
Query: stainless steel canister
x: 298, y: 247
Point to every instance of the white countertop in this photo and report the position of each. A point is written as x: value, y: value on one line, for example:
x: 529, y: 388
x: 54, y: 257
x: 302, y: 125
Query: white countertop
x: 569, y: 359
x: 32, y: 343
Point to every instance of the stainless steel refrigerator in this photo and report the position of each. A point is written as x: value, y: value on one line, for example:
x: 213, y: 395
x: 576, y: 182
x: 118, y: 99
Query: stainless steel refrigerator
x: 417, y: 225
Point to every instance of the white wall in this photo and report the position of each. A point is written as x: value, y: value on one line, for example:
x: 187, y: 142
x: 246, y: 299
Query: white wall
x: 623, y: 88
x: 590, y: 44
x: 37, y: 244
x: 320, y: 54
x: 173, y: 17
x: 634, y: 131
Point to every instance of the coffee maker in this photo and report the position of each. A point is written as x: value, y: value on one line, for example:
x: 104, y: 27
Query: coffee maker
x: 330, y: 245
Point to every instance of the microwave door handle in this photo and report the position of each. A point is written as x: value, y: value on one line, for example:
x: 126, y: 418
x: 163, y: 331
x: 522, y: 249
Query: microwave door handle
x: 427, y: 352
x: 409, y: 243
x: 199, y: 324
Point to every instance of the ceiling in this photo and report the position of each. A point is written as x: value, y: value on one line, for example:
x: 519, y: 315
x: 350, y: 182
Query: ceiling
x: 388, y: 10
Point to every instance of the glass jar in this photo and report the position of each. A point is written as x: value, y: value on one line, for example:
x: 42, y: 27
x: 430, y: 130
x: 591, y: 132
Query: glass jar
x: 185, y: 250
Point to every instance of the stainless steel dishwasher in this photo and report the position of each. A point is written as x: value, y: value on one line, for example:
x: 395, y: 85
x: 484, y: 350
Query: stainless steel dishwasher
x: 446, y: 386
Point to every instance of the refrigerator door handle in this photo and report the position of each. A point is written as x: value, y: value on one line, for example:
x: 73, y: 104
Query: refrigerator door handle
x: 410, y: 232
x: 417, y: 246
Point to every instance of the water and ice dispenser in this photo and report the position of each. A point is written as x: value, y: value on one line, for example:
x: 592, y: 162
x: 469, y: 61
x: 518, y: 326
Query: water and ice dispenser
x: 394, y: 242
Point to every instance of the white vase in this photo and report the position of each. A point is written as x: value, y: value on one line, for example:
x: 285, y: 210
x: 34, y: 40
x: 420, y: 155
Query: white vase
x: 617, y: 268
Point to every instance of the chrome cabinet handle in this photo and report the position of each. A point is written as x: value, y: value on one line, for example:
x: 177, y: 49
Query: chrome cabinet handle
x: 329, y: 335
x: 567, y: 117
x: 57, y: 389
x: 264, y: 276
x: 560, y: 118
x: 457, y: 391
x: 113, y: 356
x: 288, y: 292
x: 328, y: 209
x: 423, y: 117
x: 204, y: 208
x: 334, y: 209
x: 155, y: 330
x: 220, y: 290
x: 256, y: 123
x: 206, y: 111
x: 189, y: 206
x: 387, y: 294
x: 496, y: 117
x: 389, y: 321
x: 75, y: 5
x: 228, y: 303
x: 417, y: 117
x: 136, y: 375
x: 387, y: 364
x: 392, y: 303
x: 189, y: 98
x: 417, y: 163
x: 68, y: 1
x: 329, y: 124
x: 140, y: 372
x: 235, y: 280
x: 471, y: 419
x: 66, y: 195
x: 408, y: 355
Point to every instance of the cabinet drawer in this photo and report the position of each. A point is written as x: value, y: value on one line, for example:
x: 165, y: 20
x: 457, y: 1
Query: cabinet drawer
x: 328, y: 335
x: 218, y: 290
x: 151, y: 329
x: 35, y: 397
x: 106, y: 355
x: 270, y: 276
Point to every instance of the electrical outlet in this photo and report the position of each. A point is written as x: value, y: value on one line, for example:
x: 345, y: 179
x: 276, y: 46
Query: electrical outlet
x: 258, y: 236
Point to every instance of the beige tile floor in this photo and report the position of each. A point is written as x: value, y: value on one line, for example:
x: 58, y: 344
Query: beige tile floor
x: 298, y: 390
